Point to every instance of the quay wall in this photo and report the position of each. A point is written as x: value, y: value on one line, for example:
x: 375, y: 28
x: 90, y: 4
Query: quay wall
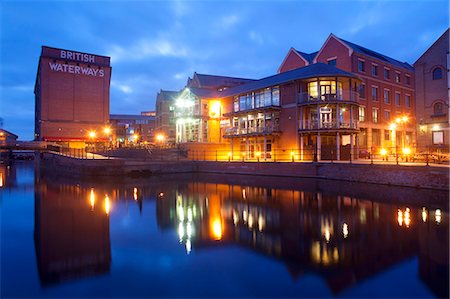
x: 429, y: 177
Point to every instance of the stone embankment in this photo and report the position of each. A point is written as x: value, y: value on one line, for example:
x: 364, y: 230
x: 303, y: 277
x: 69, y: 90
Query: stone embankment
x: 429, y: 177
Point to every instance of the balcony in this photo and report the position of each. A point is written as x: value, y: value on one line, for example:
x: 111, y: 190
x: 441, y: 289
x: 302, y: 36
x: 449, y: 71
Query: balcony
x: 306, y: 98
x: 328, y: 126
x: 252, y: 131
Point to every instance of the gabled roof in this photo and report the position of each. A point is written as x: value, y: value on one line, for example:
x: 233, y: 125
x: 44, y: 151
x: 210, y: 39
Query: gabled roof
x: 309, y: 57
x: 214, y: 81
x: 368, y: 52
x: 204, y: 92
x: 9, y: 133
x: 131, y: 117
x: 167, y: 95
x: 310, y: 71
x: 441, y: 37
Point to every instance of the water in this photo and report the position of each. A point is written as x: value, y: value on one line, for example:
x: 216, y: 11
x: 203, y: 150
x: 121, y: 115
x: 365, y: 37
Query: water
x: 218, y: 236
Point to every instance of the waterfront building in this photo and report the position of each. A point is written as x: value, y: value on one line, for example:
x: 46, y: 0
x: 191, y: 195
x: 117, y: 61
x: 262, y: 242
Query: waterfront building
x: 165, y: 115
x: 386, y: 113
x: 197, y: 109
x: 129, y: 129
x: 432, y: 98
x: 7, y: 138
x: 72, y: 97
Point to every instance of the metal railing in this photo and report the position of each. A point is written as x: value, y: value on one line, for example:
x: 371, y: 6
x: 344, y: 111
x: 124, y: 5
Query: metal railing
x: 347, y: 96
x: 252, y: 130
x: 334, y: 124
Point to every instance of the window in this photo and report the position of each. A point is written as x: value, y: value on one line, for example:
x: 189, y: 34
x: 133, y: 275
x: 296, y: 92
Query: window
x: 438, y: 137
x: 375, y: 115
x: 362, y: 114
x: 171, y: 108
x: 276, y: 96
x: 374, y: 70
x: 437, y: 73
x: 407, y: 100
x: 387, y: 115
x: 397, y: 99
x: 332, y: 62
x: 236, y: 104
x: 386, y: 74
x: 387, y: 135
x: 362, y: 90
x: 408, y: 80
x: 397, y: 77
x: 438, y: 108
x: 361, y: 66
x: 387, y: 98
x: 374, y: 93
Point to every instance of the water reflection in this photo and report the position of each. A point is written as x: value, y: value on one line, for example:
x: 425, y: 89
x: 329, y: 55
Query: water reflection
x: 343, y: 238
x: 71, y: 234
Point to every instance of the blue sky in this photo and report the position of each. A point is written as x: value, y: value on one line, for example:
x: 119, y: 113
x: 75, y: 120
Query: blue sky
x: 157, y: 44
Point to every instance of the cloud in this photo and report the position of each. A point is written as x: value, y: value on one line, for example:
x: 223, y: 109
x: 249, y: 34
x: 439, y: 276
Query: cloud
x: 256, y: 37
x: 122, y: 87
x: 146, y: 48
x: 229, y: 21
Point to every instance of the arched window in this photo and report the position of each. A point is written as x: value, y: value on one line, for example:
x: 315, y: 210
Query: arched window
x: 437, y: 73
x: 438, y: 108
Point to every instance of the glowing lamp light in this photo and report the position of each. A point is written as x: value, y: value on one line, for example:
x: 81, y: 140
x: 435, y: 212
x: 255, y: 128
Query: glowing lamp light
x: 107, y: 130
x: 160, y: 137
x: 436, y: 127
x: 135, y: 137
x: 406, y: 151
x: 398, y: 120
x: 438, y: 216
x: 404, y: 118
x: 345, y: 230
x: 392, y: 127
x: 424, y: 214
x: 92, y: 134
x: 383, y: 152
x: 92, y: 199
x: 214, y: 110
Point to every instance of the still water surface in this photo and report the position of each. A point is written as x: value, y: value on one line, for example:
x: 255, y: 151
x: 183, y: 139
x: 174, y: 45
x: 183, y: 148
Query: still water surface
x: 218, y: 236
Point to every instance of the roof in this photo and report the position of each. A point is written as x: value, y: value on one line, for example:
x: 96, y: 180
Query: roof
x: 205, y: 93
x: 130, y: 117
x: 9, y: 133
x: 214, y: 81
x: 446, y: 33
x: 167, y: 95
x: 311, y: 71
x: 309, y: 57
x: 368, y: 52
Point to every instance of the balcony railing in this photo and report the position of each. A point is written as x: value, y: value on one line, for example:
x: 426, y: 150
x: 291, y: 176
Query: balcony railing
x: 331, y: 125
x: 235, y: 131
x: 348, y: 96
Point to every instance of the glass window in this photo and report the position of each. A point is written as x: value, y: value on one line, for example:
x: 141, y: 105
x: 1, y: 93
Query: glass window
x: 236, y: 104
x: 243, y: 103
x: 438, y: 137
x: 438, y: 108
x: 397, y: 99
x: 387, y: 98
x: 408, y: 79
x: 332, y: 62
x: 362, y: 114
x: 375, y: 115
x: 276, y: 96
x: 387, y: 135
x: 312, y: 89
x: 387, y: 115
x: 386, y: 74
x: 437, y: 73
x: 407, y: 100
x: 361, y: 66
x: 374, y: 93
x: 171, y: 108
x: 397, y: 77
x: 267, y: 97
x: 374, y: 70
x: 362, y: 90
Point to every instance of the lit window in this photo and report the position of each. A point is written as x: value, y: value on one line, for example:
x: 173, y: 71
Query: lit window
x: 438, y: 137
x: 362, y: 113
x: 375, y: 115
x: 437, y: 73
x: 397, y: 78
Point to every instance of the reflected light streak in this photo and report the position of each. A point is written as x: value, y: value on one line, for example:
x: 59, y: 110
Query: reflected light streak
x: 217, y: 229
x: 400, y: 217
x: 188, y: 229
x: 250, y: 220
x: 135, y: 193
x: 424, y: 214
x: 235, y: 218
x: 407, y: 218
x: 438, y: 216
x: 92, y: 199
x: 188, y: 246
x: 345, y: 230
x: 1, y: 180
x: 180, y: 231
x: 107, y: 205
x: 261, y: 223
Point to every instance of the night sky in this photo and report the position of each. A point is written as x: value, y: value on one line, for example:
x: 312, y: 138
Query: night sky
x: 156, y: 45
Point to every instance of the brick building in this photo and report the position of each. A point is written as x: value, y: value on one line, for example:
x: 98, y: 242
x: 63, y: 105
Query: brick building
x: 72, y: 96
x: 129, y: 129
x: 432, y: 99
x: 387, y: 101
